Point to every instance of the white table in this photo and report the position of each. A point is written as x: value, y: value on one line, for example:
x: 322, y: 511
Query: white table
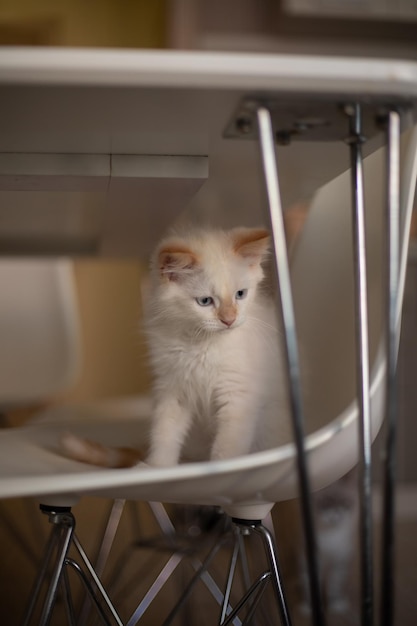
x: 114, y: 137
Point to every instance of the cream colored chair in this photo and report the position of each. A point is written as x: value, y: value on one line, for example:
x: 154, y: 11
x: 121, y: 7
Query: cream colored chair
x: 246, y: 488
x: 39, y: 336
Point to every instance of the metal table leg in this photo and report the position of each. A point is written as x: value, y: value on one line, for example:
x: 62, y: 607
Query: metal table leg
x: 392, y: 123
x: 355, y: 140
x: 267, y: 144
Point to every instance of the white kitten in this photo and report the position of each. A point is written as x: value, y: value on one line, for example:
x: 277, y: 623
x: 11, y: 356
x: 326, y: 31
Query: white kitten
x: 219, y: 384
x: 214, y: 348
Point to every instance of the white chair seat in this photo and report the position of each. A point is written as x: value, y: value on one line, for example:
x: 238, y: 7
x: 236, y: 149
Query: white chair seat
x: 31, y: 463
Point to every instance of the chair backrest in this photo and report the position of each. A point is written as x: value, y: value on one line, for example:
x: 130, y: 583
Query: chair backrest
x: 322, y: 271
x: 39, y: 331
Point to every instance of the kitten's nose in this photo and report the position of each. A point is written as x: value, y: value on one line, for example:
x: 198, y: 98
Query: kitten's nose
x: 228, y: 321
x: 227, y: 314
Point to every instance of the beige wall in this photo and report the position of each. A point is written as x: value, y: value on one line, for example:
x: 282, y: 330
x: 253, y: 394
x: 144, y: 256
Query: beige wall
x: 101, y: 23
x: 114, y: 357
x: 113, y: 347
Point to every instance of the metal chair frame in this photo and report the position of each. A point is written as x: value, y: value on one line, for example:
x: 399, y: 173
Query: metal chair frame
x: 56, y: 561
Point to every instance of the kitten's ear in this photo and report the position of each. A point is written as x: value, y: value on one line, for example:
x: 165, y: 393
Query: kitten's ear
x: 251, y: 243
x: 175, y: 262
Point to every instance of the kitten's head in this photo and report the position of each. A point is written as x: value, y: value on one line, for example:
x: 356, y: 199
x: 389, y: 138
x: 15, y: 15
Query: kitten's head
x: 205, y: 281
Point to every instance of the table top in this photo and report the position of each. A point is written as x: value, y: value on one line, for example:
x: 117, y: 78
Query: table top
x: 123, y: 140
x: 209, y: 70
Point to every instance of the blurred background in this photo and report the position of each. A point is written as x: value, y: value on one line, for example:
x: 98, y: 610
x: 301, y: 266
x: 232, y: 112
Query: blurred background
x: 109, y: 290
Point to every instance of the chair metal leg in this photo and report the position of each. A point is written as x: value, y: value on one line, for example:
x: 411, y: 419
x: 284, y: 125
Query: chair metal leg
x: 254, y: 592
x: 165, y: 542
x: 106, y: 544
x: 271, y: 552
x: 179, y: 547
x: 69, y: 605
x: 276, y: 577
x: 90, y: 590
x: 57, y: 571
x: 97, y: 581
x: 52, y: 546
x: 230, y: 577
x: 201, y: 570
x: 62, y: 536
x: 156, y: 587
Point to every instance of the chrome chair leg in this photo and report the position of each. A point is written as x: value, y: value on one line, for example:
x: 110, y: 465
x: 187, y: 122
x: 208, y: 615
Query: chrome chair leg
x: 174, y: 544
x: 94, y: 576
x: 230, y: 577
x: 274, y: 572
x: 106, y: 545
x: 89, y: 589
x: 59, y: 542
x: 68, y: 602
x: 53, y: 573
x: 200, y: 572
x: 253, y: 595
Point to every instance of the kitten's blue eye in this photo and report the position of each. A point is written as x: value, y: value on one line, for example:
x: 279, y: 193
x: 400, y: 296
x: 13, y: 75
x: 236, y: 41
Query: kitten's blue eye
x: 241, y: 294
x: 204, y: 301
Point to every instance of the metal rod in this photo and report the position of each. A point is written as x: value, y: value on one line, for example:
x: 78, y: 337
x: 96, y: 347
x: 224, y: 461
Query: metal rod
x: 256, y: 589
x: 267, y: 145
x: 276, y: 576
x: 230, y: 578
x: 261, y: 586
x: 200, y: 569
x: 89, y: 588
x: 214, y: 589
x: 163, y: 519
x: 409, y: 176
x: 355, y: 141
x: 392, y: 342
x: 34, y: 595
x: 109, y: 535
x: 97, y: 580
x: 112, y: 525
x: 244, y: 565
x: 67, y: 596
x: 66, y: 524
x: 156, y: 586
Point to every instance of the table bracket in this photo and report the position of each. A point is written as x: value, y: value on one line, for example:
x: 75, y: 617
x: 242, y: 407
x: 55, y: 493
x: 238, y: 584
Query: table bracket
x: 313, y: 120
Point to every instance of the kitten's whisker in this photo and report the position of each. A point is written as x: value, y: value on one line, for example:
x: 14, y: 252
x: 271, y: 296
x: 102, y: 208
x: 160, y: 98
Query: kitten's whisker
x: 263, y: 331
x: 200, y: 333
x: 266, y: 326
x: 262, y: 323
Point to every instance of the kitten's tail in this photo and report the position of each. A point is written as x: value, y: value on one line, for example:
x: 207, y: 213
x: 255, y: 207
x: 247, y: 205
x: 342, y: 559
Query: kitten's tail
x: 94, y: 453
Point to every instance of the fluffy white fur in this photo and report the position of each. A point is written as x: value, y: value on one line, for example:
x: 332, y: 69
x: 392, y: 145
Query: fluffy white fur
x: 214, y: 345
